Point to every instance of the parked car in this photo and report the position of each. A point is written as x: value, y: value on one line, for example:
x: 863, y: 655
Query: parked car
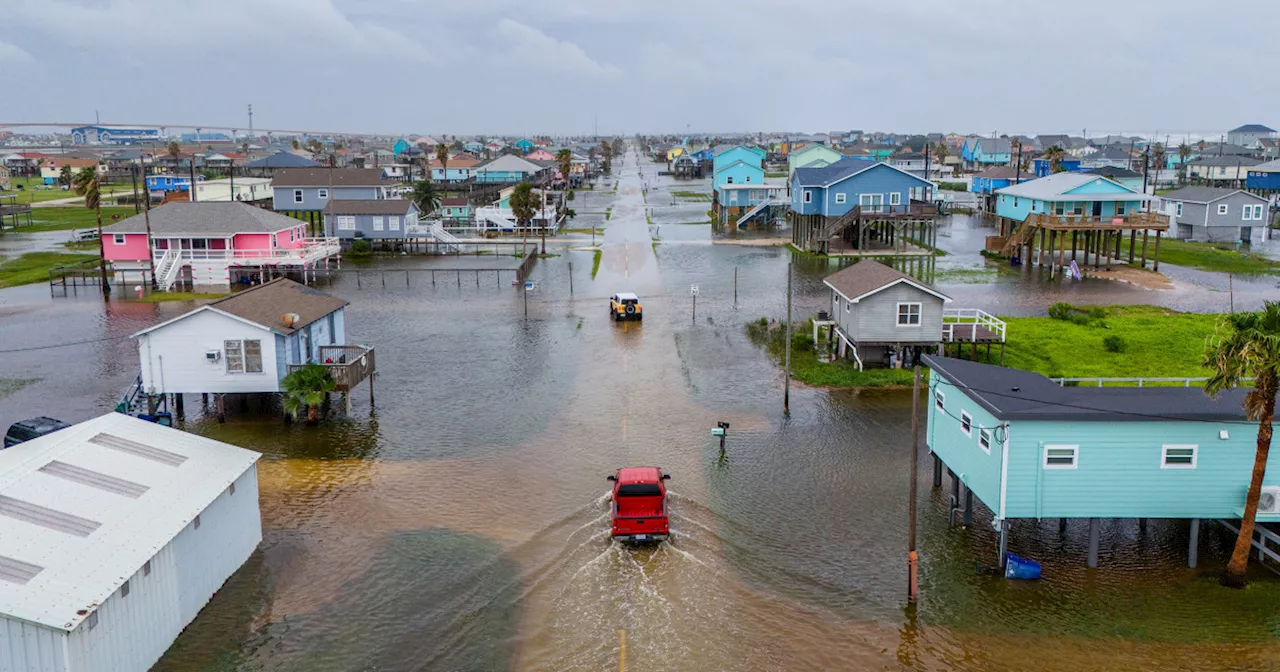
x: 625, y: 306
x: 31, y: 428
x: 640, y: 505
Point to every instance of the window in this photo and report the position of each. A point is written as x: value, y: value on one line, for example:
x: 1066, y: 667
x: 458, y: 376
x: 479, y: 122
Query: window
x: 1015, y: 201
x: 940, y: 400
x: 1178, y: 457
x: 322, y: 193
x: 393, y: 223
x: 1223, y: 208
x: 92, y: 620
x: 1077, y: 208
x: 840, y: 198
x: 1119, y: 209
x: 808, y: 196
x: 146, y: 568
x: 895, y: 198
x: 346, y: 223
x: 1252, y: 212
x: 297, y: 195
x: 291, y: 235
x: 730, y: 180
x: 908, y: 314
x: 1058, y: 209
x: 378, y: 223
x: 196, y: 522
x: 966, y: 423
x: 848, y: 307
x: 984, y: 439
x: 124, y: 589
x: 748, y: 179
x: 243, y: 356
x: 118, y: 239
x: 1060, y: 457
x: 1177, y: 209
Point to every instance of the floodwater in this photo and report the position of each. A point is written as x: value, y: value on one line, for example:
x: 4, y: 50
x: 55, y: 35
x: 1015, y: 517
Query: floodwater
x: 462, y: 524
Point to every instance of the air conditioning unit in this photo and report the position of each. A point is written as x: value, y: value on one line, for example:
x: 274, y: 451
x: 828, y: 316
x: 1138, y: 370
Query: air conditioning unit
x: 213, y: 355
x: 1269, y: 501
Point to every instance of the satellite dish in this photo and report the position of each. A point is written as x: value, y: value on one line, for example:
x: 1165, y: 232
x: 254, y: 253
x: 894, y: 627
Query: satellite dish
x: 290, y: 319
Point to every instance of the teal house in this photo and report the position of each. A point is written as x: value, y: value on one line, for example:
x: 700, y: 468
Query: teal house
x: 1082, y: 196
x: 739, y: 185
x: 525, y: 145
x: 1029, y: 448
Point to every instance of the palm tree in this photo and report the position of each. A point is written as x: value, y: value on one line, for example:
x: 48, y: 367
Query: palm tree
x: 606, y: 150
x: 173, y: 149
x: 1157, y: 157
x: 1054, y: 154
x: 564, y: 158
x: 65, y: 176
x: 442, y: 155
x: 523, y: 206
x: 1251, y: 347
x: 306, y: 388
x: 296, y: 144
x: 425, y: 196
x: 86, y: 185
x: 1184, y: 153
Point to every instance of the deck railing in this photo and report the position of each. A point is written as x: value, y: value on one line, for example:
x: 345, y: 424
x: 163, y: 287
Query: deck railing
x: 348, y: 365
x: 1136, y: 220
x: 951, y: 317
x: 1136, y: 382
x: 312, y: 249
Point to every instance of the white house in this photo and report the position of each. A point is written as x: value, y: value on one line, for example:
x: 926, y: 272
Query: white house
x: 114, y: 534
x: 245, y: 342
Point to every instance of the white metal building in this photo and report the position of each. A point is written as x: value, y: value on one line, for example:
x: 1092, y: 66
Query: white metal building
x: 114, y: 534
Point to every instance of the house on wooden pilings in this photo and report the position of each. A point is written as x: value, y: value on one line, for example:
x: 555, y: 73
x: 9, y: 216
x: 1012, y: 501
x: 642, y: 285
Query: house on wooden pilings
x: 862, y: 208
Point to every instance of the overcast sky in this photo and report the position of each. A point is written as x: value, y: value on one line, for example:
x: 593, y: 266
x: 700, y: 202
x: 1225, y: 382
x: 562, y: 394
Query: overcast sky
x: 549, y: 66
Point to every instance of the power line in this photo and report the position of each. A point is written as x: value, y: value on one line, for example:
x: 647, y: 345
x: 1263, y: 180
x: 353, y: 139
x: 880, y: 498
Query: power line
x: 64, y: 345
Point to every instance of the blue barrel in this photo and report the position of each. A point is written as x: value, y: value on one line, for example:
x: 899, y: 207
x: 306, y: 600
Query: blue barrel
x: 1020, y: 568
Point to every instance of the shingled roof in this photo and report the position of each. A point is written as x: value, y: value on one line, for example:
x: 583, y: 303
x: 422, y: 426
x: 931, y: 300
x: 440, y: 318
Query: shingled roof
x: 323, y: 177
x: 381, y: 206
x: 268, y: 302
x: 205, y: 218
x: 868, y: 277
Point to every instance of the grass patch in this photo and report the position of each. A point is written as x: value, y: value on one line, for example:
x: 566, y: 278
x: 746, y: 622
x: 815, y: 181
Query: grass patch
x: 702, y: 223
x: 162, y: 297
x: 1157, y: 342
x: 595, y: 263
x: 966, y: 276
x: 775, y: 174
x: 82, y: 245
x: 692, y: 195
x: 805, y: 366
x: 608, y: 212
x: 33, y: 190
x: 10, y: 385
x: 953, y: 186
x: 34, y: 266
x: 577, y: 230
x: 73, y: 217
x: 1219, y: 257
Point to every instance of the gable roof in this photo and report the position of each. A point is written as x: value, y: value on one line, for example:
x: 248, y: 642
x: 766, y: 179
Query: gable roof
x: 1252, y: 128
x: 869, y: 277
x: 323, y: 177
x: 1226, y: 161
x: 205, y: 218
x: 509, y: 163
x: 131, y: 505
x: 1005, y: 173
x: 1011, y: 394
x: 993, y: 145
x: 1056, y: 186
x: 736, y: 162
x: 381, y: 206
x: 1114, y: 172
x: 266, y: 303
x: 1270, y: 166
x: 281, y: 160
x: 844, y: 169
x: 1110, y: 152
x: 1205, y: 194
x: 453, y: 201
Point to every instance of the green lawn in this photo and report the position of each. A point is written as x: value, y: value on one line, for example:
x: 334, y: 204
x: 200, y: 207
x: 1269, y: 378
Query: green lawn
x: 160, y: 297
x: 75, y: 217
x: 34, y: 266
x: 1160, y: 343
x: 595, y: 263
x: 33, y: 190
x: 1220, y: 257
x: 692, y: 195
x: 805, y: 366
x: 779, y: 174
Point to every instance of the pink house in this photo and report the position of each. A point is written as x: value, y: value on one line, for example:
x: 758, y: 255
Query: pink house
x: 210, y: 244
x: 540, y: 154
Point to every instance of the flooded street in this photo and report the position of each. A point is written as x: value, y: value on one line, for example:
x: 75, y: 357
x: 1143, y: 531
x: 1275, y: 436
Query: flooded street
x: 462, y: 524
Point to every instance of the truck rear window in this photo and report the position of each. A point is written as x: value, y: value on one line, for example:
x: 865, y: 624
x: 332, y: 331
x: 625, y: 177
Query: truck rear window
x: 640, y: 490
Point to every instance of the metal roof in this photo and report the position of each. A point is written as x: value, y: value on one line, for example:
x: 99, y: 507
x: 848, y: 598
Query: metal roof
x: 1013, y: 394
x: 508, y: 163
x: 1204, y: 194
x: 1252, y: 128
x: 82, y: 509
x: 1054, y: 188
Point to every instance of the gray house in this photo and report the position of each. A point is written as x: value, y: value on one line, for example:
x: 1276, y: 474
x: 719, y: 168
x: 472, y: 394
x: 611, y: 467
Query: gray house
x: 1216, y: 214
x: 307, y: 189
x: 1249, y: 134
x: 878, y: 310
x: 385, y: 219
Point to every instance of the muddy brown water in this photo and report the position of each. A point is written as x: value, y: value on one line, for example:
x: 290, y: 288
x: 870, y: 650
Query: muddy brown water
x: 462, y: 524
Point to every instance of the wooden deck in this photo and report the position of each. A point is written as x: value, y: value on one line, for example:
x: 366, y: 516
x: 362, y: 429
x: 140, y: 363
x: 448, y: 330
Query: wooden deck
x: 970, y: 333
x: 349, y: 365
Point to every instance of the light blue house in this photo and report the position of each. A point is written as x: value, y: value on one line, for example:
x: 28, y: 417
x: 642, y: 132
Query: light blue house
x: 401, y: 146
x: 385, y: 219
x: 308, y: 189
x: 1031, y: 449
x: 1071, y: 195
x: 506, y: 168
x: 997, y: 177
x: 836, y: 189
x: 474, y: 148
x: 724, y: 155
x: 525, y: 145
x: 739, y: 182
x: 986, y: 151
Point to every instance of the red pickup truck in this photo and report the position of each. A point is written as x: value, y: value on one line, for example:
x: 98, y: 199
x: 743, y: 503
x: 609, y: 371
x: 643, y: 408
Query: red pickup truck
x: 640, y: 504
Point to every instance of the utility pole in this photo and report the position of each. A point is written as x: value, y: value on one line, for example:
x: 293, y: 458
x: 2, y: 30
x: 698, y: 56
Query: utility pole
x: 146, y: 218
x: 191, y: 190
x: 250, y: 119
x: 786, y: 393
x: 913, y: 589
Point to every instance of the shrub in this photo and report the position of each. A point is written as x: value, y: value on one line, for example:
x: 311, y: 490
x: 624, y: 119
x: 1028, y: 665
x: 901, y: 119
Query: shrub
x: 1062, y: 311
x: 802, y: 340
x: 360, y: 248
x: 1097, y: 313
x: 570, y: 195
x: 764, y: 322
x: 1114, y: 343
x: 953, y: 186
x: 1082, y: 320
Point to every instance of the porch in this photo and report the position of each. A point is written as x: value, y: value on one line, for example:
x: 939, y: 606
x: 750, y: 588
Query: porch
x: 1099, y: 237
x: 348, y: 365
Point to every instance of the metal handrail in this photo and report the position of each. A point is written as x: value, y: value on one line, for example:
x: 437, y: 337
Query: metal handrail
x: 974, y: 316
x: 1141, y: 381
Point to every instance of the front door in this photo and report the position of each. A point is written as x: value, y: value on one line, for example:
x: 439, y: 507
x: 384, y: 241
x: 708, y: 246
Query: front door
x: 1097, y: 208
x: 871, y: 202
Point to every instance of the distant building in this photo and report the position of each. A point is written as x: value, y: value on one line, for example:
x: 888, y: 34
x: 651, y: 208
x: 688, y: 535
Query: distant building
x: 51, y: 168
x: 117, y: 533
x: 1264, y: 177
x: 112, y: 135
x: 1249, y: 134
x: 1221, y: 170
x: 385, y: 219
x: 997, y: 177
x: 812, y: 156
x: 986, y: 151
x: 308, y: 189
x: 455, y: 210
x: 1216, y: 214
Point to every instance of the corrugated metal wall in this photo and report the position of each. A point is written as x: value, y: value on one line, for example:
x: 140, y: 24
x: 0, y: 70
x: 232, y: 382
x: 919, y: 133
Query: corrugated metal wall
x: 31, y: 648
x: 133, y: 631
